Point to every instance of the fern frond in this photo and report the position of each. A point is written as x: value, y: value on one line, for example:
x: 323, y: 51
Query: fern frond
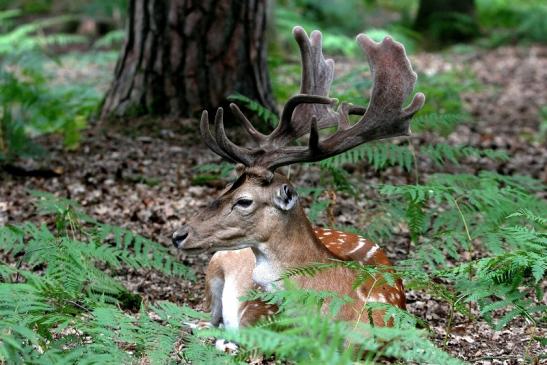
x: 378, y: 154
x: 437, y: 122
x: 265, y: 114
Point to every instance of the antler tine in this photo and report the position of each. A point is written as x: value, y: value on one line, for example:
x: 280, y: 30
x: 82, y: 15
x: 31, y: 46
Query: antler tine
x: 316, y: 78
x: 317, y: 72
x: 258, y: 137
x: 208, y: 137
x: 287, y: 128
x: 236, y: 153
x: 393, y: 81
x: 385, y: 117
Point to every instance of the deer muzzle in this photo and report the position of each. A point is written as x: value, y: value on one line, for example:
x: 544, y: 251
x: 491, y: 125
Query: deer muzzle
x: 186, y: 240
x: 180, y: 236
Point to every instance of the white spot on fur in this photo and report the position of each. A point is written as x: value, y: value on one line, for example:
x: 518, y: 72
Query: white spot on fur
x: 327, y: 233
x: 380, y: 298
x: 371, y: 252
x: 360, y: 244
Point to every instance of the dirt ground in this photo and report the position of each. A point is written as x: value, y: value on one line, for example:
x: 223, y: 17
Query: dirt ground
x: 140, y: 177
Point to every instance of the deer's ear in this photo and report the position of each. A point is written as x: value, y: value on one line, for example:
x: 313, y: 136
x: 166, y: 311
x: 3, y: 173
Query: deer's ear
x: 285, y: 197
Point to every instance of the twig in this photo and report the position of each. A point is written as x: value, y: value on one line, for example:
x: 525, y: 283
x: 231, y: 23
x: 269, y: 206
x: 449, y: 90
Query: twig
x: 467, y: 233
x: 506, y: 357
x: 77, y: 305
x: 449, y: 323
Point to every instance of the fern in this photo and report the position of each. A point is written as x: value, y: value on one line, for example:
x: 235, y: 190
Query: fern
x: 416, y: 218
x: 212, y: 172
x: 435, y: 122
x: 72, y: 309
x: 441, y: 153
x: 29, y: 106
x: 382, y: 154
x: 268, y: 117
x: 379, y: 155
x: 304, y: 334
x: 26, y: 37
x: 509, y: 279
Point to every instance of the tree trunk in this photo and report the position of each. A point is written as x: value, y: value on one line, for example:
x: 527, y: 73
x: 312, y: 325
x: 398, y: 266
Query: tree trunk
x: 447, y: 20
x: 183, y: 56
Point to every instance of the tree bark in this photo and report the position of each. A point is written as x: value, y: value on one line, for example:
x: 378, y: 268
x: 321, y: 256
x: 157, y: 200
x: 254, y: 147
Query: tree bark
x: 183, y: 56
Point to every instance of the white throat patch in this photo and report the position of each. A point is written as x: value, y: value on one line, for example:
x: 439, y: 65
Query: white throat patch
x: 265, y: 274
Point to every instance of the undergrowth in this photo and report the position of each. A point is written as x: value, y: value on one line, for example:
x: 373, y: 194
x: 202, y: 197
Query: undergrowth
x: 476, y: 242
x: 30, y: 103
x: 60, y: 302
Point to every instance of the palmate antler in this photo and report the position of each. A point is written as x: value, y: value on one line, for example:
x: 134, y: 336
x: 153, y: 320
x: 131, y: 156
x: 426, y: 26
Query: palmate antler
x: 312, y: 109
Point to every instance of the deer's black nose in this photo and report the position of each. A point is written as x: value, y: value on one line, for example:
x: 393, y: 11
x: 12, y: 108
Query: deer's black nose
x: 179, y: 236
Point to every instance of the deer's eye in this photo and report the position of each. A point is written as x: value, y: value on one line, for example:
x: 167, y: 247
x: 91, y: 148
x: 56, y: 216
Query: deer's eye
x: 244, y: 203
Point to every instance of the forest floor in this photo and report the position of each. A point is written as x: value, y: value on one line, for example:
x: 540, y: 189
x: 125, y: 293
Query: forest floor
x: 139, y: 173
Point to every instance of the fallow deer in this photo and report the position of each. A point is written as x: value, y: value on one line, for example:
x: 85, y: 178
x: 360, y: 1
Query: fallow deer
x: 258, y: 226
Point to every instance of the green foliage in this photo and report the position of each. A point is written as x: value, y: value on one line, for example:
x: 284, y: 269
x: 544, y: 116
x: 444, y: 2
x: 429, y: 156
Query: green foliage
x: 507, y: 21
x: 451, y: 214
x: 110, y: 39
x: 384, y: 154
x: 443, y: 90
x: 61, y: 304
x: 14, y: 140
x: 495, y: 22
x: 443, y: 123
x: 115, y: 9
x: 210, y: 172
x: 542, y: 137
x: 449, y: 26
x: 319, y: 202
x: 340, y: 21
x: 338, y: 35
x: 99, y: 9
x: 29, y: 105
x: 511, y: 279
x: 304, y: 334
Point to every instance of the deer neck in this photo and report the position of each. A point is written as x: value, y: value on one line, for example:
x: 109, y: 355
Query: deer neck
x: 296, y: 246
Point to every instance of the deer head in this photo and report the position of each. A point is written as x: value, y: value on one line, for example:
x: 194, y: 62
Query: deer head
x: 256, y: 206
x: 262, y: 204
